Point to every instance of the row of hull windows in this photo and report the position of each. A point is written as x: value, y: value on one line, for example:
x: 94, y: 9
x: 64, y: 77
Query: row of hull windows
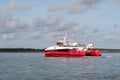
x: 61, y: 50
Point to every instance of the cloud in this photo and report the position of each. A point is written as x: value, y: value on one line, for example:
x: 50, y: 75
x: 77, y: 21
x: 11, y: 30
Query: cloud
x: 111, y: 38
x: 56, y: 8
x: 23, y: 8
x: 86, y: 2
x: 47, y: 30
x: 79, y: 6
x: 66, y: 26
x: 53, y: 28
x: 115, y: 26
x: 77, y: 9
x: 50, y: 20
x: 8, y: 24
x: 16, y: 29
x: 96, y: 30
x: 13, y: 6
x: 31, y: 34
x: 54, y: 23
x: 15, y: 24
x: 82, y: 5
x: 39, y: 22
x: 7, y: 36
x: 12, y: 28
x: 76, y: 6
x: 116, y: 1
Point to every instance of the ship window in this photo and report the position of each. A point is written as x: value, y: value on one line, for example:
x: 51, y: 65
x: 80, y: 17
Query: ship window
x: 63, y: 50
x: 75, y: 48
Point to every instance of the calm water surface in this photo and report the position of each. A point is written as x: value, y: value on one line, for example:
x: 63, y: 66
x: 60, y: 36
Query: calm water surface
x: 34, y: 66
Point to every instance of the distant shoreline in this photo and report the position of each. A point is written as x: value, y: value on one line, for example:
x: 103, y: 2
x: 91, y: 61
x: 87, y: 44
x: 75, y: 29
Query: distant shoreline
x: 31, y: 50
x: 21, y: 50
x: 102, y: 50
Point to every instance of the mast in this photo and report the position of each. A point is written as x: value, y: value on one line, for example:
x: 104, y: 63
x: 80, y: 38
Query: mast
x: 66, y: 42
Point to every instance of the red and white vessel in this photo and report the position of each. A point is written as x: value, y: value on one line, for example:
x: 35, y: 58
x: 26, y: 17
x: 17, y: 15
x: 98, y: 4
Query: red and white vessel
x: 64, y: 48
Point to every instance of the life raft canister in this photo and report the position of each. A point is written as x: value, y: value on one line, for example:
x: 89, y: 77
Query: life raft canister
x: 59, y: 43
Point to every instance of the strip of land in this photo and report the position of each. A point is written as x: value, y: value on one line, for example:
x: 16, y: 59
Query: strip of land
x: 102, y: 50
x: 107, y: 50
x: 20, y: 50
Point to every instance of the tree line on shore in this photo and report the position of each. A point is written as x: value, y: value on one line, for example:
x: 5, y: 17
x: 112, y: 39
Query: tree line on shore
x: 20, y: 50
x: 107, y: 50
x: 41, y: 50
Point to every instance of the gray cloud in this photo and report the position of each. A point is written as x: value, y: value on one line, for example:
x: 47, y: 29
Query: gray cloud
x: 51, y: 20
x: 115, y: 26
x: 41, y: 30
x: 56, y: 28
x: 96, y: 30
x: 39, y: 22
x: 9, y: 25
x: 76, y: 6
x: 66, y: 26
x: 54, y: 23
x: 17, y: 32
x: 88, y: 2
x: 116, y: 1
x: 79, y: 6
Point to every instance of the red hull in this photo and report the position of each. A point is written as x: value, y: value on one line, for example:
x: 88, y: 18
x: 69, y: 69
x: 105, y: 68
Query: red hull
x: 93, y: 53
x: 72, y: 53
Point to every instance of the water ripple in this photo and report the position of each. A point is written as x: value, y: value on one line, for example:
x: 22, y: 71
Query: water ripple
x: 35, y: 66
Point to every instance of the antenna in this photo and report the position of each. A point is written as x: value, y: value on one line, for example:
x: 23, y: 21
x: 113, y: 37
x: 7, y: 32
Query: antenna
x: 66, y: 42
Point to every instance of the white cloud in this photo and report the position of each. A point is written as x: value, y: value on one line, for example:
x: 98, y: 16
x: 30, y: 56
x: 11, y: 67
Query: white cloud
x: 31, y: 34
x: 10, y: 25
x: 56, y: 8
x: 15, y: 24
x: 13, y: 6
x: 46, y: 31
x: 7, y: 36
x: 77, y: 9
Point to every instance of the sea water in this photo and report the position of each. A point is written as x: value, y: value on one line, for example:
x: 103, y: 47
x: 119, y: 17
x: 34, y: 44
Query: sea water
x: 34, y: 66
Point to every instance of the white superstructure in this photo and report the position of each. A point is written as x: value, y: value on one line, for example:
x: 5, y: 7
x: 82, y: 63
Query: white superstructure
x: 66, y: 44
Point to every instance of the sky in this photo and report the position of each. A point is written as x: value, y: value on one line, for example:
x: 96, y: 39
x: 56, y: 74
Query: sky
x: 40, y: 23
